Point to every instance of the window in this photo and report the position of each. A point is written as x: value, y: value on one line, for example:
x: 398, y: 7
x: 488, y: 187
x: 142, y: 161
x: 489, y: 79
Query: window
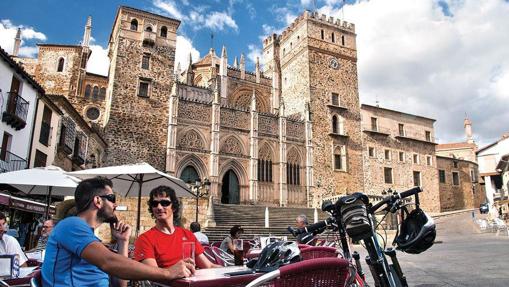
x: 148, y: 29
x: 45, y: 127
x: 335, y: 99
x: 455, y: 164
x: 401, y: 156
x: 102, y: 93
x: 455, y: 178
x: 417, y: 178
x: 371, y: 151
x: 6, y: 146
x: 374, y: 124
x: 189, y: 174
x: 335, y: 124
x: 164, y: 31
x: 387, y: 154
x: 332, y: 38
x: 343, y: 40
x: 337, y: 162
x: 134, y: 25
x: 428, y: 136
x: 472, y: 176
x: 429, y: 160
x: 40, y: 159
x: 88, y: 89
x: 401, y: 129
x: 95, y: 93
x: 61, y: 63
x: 441, y: 175
x: 145, y: 61
x: 322, y: 34
x: 388, y: 174
x: 293, y: 173
x: 416, y: 158
x: 144, y: 89
x: 265, y: 170
x: 339, y: 158
x: 93, y: 113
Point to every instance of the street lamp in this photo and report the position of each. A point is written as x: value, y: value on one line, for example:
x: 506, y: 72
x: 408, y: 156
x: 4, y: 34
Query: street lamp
x: 200, y: 189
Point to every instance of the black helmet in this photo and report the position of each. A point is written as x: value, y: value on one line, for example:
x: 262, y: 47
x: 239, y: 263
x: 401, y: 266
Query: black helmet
x: 417, y: 232
x: 276, y: 255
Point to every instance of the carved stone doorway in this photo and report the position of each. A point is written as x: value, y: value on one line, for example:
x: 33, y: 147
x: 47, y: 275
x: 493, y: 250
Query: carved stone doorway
x: 230, y: 188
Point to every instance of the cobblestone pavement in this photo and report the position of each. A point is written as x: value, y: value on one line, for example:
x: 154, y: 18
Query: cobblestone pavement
x: 461, y: 256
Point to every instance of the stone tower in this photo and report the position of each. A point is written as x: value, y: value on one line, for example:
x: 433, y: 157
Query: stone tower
x: 142, y: 55
x: 468, y: 130
x: 315, y: 60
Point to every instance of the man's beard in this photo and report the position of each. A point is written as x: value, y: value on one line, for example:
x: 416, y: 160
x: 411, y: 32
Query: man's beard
x: 106, y: 217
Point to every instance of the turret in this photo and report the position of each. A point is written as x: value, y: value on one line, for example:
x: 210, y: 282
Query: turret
x: 468, y: 130
x: 235, y: 63
x: 88, y: 31
x: 242, y: 67
x: 17, y: 43
x: 189, y: 72
x: 257, y: 70
x: 223, y: 66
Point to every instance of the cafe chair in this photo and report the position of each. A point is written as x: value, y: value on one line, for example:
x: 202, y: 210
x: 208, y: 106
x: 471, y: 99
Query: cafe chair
x: 36, y: 280
x: 318, y: 252
x: 302, y: 246
x: 222, y: 258
x: 323, y: 272
x: 216, y: 244
x: 207, y: 250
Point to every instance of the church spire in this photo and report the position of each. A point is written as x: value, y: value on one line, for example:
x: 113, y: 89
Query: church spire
x: 17, y: 43
x: 88, y: 31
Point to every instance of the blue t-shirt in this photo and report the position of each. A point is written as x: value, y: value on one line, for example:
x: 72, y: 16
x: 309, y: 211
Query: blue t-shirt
x: 63, y: 265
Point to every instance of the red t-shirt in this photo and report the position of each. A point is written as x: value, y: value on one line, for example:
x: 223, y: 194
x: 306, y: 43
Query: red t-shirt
x: 166, y: 249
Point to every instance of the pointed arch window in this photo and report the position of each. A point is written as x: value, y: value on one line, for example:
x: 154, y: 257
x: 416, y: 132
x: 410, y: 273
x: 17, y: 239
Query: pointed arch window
x: 148, y: 29
x: 134, y: 25
x: 339, y: 158
x: 61, y: 63
x: 88, y: 89
x: 293, y: 172
x: 102, y: 93
x: 95, y: 93
x: 164, y: 31
x: 264, y: 170
x: 189, y: 174
x: 335, y: 124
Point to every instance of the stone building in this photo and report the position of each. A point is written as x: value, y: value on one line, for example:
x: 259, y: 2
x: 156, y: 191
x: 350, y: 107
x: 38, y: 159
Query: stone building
x: 399, y: 153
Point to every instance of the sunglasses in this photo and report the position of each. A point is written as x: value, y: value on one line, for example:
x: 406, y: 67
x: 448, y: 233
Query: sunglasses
x: 110, y: 197
x: 164, y: 203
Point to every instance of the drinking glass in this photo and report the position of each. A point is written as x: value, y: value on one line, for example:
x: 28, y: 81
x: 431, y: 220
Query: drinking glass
x: 188, y: 250
x: 238, y: 251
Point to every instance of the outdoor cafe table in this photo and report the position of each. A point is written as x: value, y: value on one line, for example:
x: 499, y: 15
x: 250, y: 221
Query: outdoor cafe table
x: 214, y: 277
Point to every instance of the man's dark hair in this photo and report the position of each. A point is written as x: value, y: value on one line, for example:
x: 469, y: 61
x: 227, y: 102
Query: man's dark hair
x: 235, y: 229
x: 2, y: 216
x: 195, y: 227
x: 88, y: 189
x: 164, y: 191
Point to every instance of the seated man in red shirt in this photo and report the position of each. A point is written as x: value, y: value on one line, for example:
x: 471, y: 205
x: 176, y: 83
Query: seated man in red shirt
x: 161, y: 246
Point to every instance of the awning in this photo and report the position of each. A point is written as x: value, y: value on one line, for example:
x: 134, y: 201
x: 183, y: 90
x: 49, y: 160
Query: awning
x: 25, y: 204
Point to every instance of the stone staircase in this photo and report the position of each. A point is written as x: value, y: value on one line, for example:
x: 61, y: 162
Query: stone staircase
x: 252, y: 219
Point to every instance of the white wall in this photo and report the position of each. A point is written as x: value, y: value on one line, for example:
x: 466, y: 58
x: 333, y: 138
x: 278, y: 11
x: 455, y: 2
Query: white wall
x: 21, y: 138
x: 49, y: 150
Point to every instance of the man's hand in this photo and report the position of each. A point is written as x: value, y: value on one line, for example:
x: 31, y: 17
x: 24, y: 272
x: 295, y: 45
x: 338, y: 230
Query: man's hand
x: 121, y: 231
x: 181, y: 269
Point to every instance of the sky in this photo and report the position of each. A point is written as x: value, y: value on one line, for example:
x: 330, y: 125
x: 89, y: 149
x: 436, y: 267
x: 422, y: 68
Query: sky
x: 443, y: 59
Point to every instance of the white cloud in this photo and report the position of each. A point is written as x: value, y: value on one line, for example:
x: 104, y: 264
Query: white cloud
x: 170, y: 8
x: 8, y: 33
x: 99, y: 63
x: 218, y: 21
x: 306, y: 3
x: 184, y: 47
x: 416, y: 59
x: 254, y: 52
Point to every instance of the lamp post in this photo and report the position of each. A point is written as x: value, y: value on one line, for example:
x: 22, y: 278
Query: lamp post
x: 200, y: 189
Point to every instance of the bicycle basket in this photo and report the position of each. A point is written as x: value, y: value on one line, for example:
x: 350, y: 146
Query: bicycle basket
x: 354, y: 216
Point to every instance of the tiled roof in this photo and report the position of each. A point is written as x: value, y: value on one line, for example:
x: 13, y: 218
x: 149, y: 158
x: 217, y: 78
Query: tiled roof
x: 455, y: 145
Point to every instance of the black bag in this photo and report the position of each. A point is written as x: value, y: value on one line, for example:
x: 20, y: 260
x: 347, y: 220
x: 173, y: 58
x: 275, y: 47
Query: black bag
x: 354, y: 216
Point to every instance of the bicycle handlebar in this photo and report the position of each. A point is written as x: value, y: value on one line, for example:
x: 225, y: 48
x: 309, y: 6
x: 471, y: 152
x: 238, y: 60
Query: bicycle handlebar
x: 396, y: 196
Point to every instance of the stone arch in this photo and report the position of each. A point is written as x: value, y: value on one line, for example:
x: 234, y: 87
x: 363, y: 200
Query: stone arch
x: 195, y: 162
x: 337, y: 124
x: 88, y: 91
x: 232, y: 145
x: 134, y: 25
x: 191, y: 138
x: 241, y: 97
x: 293, y: 155
x: 149, y: 28
x: 164, y: 32
x: 294, y: 166
x: 241, y: 174
x: 266, y: 152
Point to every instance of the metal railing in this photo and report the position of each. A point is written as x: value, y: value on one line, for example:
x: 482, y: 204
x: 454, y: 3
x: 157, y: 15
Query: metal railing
x: 11, y: 162
x: 18, y: 106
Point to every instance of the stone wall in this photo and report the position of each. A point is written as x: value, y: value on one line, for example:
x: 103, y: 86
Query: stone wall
x: 468, y: 193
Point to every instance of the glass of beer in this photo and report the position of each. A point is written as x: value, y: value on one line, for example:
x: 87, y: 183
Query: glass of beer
x: 238, y: 252
x: 188, y: 250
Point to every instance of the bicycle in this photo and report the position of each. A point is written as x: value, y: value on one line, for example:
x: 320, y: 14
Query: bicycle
x: 354, y: 216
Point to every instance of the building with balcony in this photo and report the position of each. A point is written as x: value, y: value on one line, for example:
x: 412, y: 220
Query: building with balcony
x: 399, y: 153
x: 19, y: 94
x: 492, y: 168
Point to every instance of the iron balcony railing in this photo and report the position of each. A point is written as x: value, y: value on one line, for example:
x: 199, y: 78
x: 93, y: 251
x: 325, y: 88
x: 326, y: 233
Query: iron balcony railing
x: 11, y: 162
x: 16, y: 112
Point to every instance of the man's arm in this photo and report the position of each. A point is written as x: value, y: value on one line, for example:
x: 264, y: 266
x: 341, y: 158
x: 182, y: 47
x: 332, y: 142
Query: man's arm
x: 125, y: 268
x: 203, y: 262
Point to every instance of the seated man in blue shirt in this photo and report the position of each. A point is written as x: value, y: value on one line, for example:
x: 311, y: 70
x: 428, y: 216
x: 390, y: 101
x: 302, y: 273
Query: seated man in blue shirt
x: 76, y: 257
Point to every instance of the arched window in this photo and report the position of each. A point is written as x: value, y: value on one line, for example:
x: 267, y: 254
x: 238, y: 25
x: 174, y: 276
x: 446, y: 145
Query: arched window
x: 343, y: 40
x: 189, y: 175
x: 339, y: 158
x: 148, y: 29
x: 95, y: 93
x: 322, y: 34
x: 61, y: 63
x: 335, y: 124
x: 102, y: 93
x: 164, y: 31
x: 134, y: 25
x: 88, y: 89
x: 332, y: 38
x: 293, y: 169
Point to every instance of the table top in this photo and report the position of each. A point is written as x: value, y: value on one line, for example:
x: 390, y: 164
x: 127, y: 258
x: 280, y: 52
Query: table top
x: 215, y: 277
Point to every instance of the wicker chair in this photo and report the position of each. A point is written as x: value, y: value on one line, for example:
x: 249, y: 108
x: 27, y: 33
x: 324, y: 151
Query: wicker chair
x: 323, y: 272
x: 318, y: 252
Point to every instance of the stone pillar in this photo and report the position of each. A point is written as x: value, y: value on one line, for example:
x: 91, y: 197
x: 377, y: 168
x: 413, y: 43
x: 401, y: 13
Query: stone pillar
x: 17, y: 43
x: 171, y: 141
x: 223, y: 73
x: 309, y: 155
x: 257, y: 70
x: 242, y: 67
x: 283, y: 188
x: 253, y: 143
x: 214, y: 144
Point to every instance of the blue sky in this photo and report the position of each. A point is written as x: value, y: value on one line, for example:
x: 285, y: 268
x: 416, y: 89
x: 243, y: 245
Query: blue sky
x: 442, y: 59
